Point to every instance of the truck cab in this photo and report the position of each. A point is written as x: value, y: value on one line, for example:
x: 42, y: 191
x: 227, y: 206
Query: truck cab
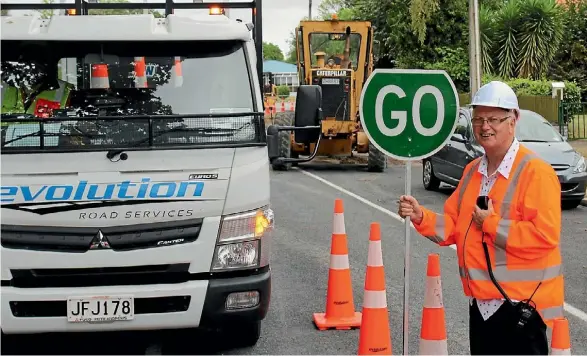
x: 135, y: 176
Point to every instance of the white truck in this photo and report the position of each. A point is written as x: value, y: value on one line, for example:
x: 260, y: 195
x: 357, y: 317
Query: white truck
x: 142, y: 202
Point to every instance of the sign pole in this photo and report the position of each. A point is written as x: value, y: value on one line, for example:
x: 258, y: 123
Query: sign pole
x: 408, y: 191
x: 409, y: 115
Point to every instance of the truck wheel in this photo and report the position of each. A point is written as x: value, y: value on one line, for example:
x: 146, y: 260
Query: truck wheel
x: 284, y: 119
x: 243, y: 334
x: 377, y: 160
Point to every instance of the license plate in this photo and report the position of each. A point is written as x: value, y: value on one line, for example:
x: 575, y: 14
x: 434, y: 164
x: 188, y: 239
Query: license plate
x: 334, y: 81
x: 100, y: 309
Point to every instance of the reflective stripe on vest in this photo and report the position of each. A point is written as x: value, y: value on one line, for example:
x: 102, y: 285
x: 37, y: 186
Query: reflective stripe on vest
x: 465, y: 183
x: 552, y: 312
x: 59, y: 93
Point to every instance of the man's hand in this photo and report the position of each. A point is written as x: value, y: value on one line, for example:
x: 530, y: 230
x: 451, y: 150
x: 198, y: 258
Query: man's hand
x: 479, y: 215
x: 408, y: 206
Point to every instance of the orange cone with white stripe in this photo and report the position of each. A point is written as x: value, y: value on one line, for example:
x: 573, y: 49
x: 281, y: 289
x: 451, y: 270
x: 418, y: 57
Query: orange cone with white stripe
x: 340, y: 306
x: 140, y: 72
x: 375, y: 336
x: 433, y: 333
x: 561, y: 338
x: 99, y: 78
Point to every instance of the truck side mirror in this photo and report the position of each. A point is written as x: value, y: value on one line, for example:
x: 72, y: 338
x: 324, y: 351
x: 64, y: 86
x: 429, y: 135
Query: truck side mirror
x: 272, y: 142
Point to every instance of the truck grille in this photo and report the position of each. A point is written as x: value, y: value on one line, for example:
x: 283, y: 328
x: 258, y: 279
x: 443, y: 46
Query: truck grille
x: 119, y: 238
x: 99, y: 276
x: 335, y: 101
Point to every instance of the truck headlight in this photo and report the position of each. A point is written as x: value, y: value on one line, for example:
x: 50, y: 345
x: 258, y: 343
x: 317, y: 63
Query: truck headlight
x: 581, y: 166
x: 244, y: 240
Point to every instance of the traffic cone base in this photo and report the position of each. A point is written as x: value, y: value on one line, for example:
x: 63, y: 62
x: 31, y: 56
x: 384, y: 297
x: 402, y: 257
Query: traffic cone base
x: 341, y: 323
x: 433, y: 347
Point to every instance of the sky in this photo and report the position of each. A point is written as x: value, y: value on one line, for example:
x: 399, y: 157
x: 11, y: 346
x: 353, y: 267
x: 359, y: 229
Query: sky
x: 280, y: 17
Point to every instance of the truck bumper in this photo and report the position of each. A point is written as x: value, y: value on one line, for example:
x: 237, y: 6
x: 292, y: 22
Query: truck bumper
x: 192, y: 304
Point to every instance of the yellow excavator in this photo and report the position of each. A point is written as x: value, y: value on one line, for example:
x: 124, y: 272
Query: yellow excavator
x: 334, y: 59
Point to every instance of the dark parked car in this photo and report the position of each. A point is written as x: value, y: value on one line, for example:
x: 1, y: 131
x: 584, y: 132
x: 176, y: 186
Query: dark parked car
x: 534, y: 132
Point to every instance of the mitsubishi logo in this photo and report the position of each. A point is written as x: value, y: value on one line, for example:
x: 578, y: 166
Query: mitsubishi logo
x: 99, y: 242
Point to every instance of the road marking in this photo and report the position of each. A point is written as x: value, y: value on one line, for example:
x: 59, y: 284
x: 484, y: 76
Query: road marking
x: 568, y: 308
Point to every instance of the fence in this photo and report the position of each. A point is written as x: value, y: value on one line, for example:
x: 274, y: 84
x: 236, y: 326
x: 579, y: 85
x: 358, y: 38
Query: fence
x: 572, y: 121
x: 546, y: 106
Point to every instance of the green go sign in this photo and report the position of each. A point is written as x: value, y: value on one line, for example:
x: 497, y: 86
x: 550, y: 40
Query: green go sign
x: 409, y: 114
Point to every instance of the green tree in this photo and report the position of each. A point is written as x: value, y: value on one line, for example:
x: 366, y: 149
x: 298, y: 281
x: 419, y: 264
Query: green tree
x: 400, y: 37
x: 524, y: 37
x: 570, y: 62
x: 342, y: 8
x: 421, y: 12
x: 272, y: 52
x: 292, y: 52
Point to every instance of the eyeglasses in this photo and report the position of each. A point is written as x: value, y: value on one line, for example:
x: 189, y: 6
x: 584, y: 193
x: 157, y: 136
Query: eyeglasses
x: 492, y: 121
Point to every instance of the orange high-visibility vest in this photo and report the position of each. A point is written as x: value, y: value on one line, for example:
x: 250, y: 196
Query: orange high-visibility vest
x: 522, y: 236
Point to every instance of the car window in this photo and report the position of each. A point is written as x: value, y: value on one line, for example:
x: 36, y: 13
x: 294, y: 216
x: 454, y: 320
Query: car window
x: 533, y: 127
x: 462, y: 125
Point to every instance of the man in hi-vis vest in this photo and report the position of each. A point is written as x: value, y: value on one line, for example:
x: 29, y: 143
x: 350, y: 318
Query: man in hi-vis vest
x: 25, y: 89
x: 505, y: 219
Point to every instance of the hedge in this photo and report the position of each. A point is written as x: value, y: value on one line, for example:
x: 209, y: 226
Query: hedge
x: 521, y: 86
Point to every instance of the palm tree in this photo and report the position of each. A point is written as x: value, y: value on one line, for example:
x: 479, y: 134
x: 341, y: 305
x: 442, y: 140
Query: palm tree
x: 486, y: 30
x: 526, y: 35
x: 541, y: 33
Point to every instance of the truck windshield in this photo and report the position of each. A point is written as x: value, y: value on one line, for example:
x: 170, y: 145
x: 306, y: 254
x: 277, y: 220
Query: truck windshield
x: 332, y: 45
x: 104, y: 94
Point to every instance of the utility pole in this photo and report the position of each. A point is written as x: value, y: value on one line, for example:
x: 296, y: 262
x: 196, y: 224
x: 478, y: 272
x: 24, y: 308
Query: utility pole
x: 474, y: 48
x: 309, y: 9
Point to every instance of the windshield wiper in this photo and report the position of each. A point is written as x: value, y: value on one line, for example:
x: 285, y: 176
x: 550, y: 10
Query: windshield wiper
x: 49, y: 134
x: 531, y: 140
x: 15, y: 116
x: 112, y: 153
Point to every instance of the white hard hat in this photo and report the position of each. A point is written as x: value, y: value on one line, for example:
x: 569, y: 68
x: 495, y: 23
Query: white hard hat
x: 496, y: 94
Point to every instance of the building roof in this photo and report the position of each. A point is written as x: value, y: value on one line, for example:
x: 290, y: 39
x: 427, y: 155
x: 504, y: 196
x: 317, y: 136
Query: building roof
x: 273, y: 66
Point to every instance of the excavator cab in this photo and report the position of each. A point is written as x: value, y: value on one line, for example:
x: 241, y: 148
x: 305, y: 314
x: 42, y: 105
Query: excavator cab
x: 334, y: 59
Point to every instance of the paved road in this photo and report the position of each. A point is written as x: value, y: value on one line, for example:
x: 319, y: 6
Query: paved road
x: 303, y: 206
x: 384, y: 189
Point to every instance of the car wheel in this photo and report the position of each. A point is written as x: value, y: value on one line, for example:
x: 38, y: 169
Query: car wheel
x: 428, y: 178
x: 570, y: 204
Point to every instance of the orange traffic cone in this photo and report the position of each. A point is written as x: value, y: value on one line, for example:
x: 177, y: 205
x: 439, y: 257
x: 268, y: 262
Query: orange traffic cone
x: 375, y: 336
x: 140, y: 72
x: 561, y: 340
x: 433, y: 333
x: 99, y: 77
x: 340, y: 306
